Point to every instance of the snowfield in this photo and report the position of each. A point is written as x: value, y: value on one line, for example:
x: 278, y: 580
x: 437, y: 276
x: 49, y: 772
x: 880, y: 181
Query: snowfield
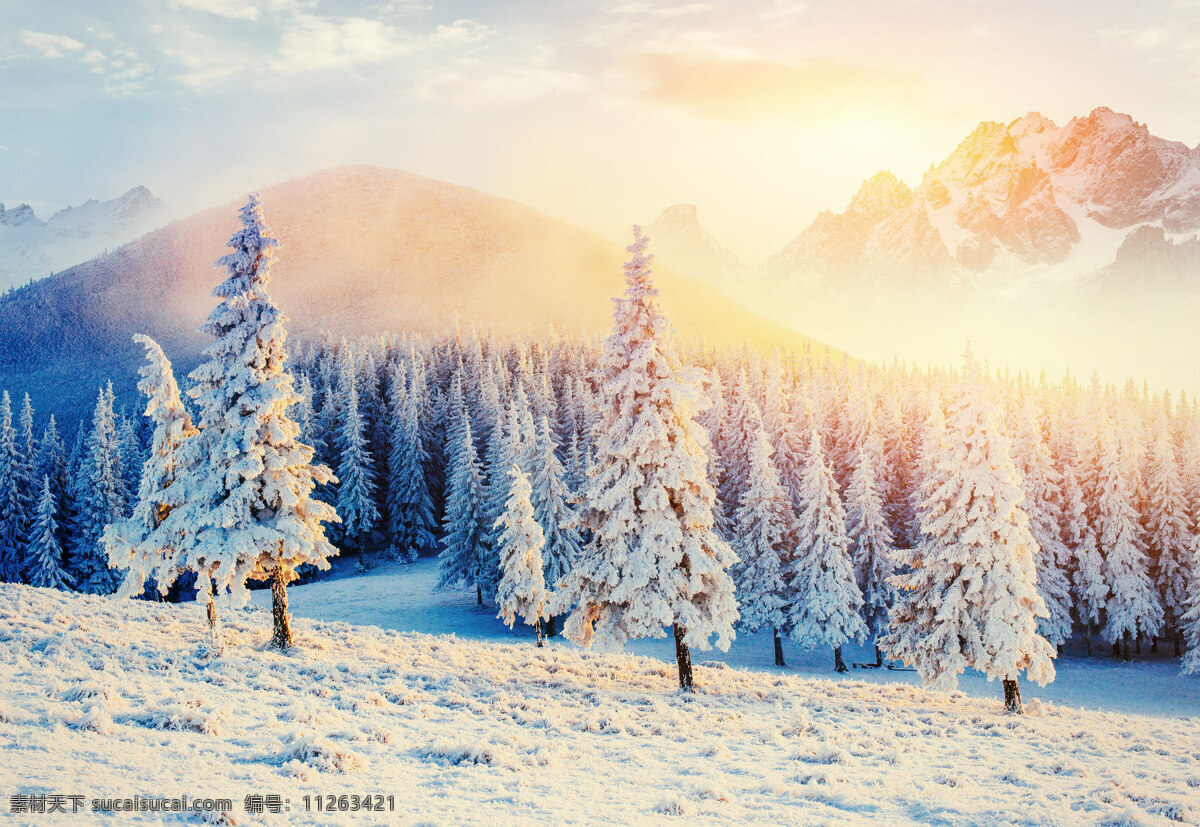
x: 104, y: 697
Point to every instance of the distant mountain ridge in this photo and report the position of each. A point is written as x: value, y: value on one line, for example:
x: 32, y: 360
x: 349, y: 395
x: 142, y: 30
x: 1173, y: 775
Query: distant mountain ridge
x: 32, y: 249
x: 364, y: 250
x: 1016, y: 202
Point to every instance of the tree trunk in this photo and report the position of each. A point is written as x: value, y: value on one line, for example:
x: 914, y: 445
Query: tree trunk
x: 551, y: 626
x: 1126, y: 648
x: 1089, y: 638
x: 537, y: 630
x: 1178, y: 643
x: 839, y: 665
x: 1154, y: 645
x: 683, y: 658
x: 214, y: 632
x: 1117, y: 649
x: 1137, y: 646
x: 282, y: 638
x: 878, y: 656
x: 778, y: 649
x: 1012, y: 696
x: 479, y: 595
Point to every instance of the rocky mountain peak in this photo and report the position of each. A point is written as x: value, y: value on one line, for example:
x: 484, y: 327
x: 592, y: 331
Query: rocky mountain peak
x: 879, y: 196
x: 19, y: 216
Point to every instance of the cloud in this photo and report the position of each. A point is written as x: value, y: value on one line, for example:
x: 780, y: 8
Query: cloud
x: 461, y: 33
x: 737, y: 89
x: 1154, y: 37
x: 654, y: 10
x: 315, y: 43
x: 784, y: 10
x: 231, y: 9
x: 50, y: 45
x: 473, y: 82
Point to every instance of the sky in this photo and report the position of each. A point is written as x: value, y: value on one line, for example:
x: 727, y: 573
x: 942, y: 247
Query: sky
x: 761, y: 112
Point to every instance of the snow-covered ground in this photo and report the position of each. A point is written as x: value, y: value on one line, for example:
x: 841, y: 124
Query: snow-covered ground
x: 102, y: 698
x: 402, y: 598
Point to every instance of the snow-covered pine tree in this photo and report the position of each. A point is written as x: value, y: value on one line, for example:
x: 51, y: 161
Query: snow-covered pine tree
x: 45, y: 567
x: 970, y: 598
x: 551, y: 498
x: 1168, y: 536
x: 410, y: 506
x: 103, y: 499
x: 654, y: 559
x: 1088, y: 585
x: 522, y: 587
x: 462, y: 541
x: 1041, y: 482
x: 826, y: 604
x: 14, y: 507
x: 510, y: 446
x: 741, y: 422
x: 27, y: 448
x: 764, y: 539
x: 871, y: 547
x: 356, y: 466
x: 247, y: 508
x: 1134, y: 607
x: 128, y: 542
x: 51, y: 460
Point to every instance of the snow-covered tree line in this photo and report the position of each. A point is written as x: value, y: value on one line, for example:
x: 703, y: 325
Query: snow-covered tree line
x: 833, y: 481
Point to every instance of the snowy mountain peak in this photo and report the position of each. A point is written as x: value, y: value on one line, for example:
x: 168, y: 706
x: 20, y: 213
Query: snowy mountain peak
x: 681, y: 219
x: 19, y: 216
x: 880, y: 195
x: 679, y: 241
x: 1010, y: 201
x: 31, y: 248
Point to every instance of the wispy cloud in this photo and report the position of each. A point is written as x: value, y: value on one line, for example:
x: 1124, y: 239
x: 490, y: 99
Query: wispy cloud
x: 312, y: 43
x: 50, y: 45
x: 476, y: 82
x: 1154, y: 37
x: 231, y: 9
x: 660, y: 10
x: 461, y: 33
x: 784, y: 10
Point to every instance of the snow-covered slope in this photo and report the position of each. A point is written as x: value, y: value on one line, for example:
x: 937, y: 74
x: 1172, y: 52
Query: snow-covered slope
x: 32, y: 249
x: 364, y: 250
x: 106, y: 698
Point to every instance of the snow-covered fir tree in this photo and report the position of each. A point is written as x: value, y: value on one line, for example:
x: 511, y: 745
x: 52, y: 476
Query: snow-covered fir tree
x: 102, y: 499
x: 1040, y: 482
x: 522, y: 588
x: 654, y: 559
x: 128, y: 542
x: 1168, y: 536
x: 463, y: 539
x: 410, y: 505
x: 14, y: 507
x: 871, y: 548
x: 45, y: 560
x: 764, y: 540
x: 356, y: 465
x: 247, y: 509
x: 1134, y: 608
x: 826, y: 604
x: 970, y: 599
x: 552, y: 510
x: 1089, y: 589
